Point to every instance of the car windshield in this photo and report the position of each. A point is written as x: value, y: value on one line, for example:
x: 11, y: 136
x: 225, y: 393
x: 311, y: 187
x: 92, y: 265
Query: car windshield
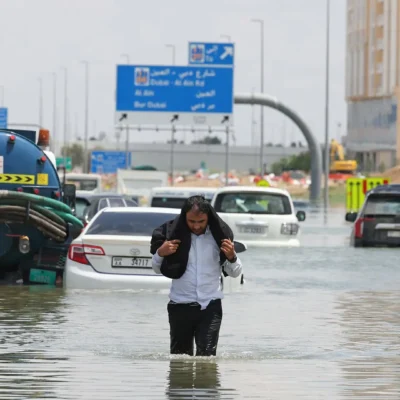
x: 128, y: 223
x: 80, y: 206
x: 84, y: 184
x: 383, y: 205
x: 171, y: 202
x: 253, y: 203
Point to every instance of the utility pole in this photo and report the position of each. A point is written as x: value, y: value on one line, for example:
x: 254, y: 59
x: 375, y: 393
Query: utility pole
x: 86, y: 138
x: 326, y: 175
x: 261, y: 22
x: 173, y: 48
x: 227, y: 155
x: 54, y: 136
x: 2, y: 96
x: 41, y: 102
x: 64, y: 141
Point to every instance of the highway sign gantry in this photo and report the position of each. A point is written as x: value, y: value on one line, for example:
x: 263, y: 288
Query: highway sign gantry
x: 215, y: 54
x: 183, y: 95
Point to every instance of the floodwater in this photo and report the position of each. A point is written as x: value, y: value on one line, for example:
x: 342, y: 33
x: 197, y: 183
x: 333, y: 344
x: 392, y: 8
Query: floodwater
x: 318, y: 322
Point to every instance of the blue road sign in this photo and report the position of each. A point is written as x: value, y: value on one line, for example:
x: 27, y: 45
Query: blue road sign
x: 3, y: 117
x: 107, y: 162
x: 221, y: 54
x: 186, y: 95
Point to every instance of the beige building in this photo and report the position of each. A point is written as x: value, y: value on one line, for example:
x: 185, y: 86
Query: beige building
x: 373, y: 82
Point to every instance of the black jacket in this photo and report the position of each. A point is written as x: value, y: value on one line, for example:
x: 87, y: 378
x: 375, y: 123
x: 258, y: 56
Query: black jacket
x: 174, y: 266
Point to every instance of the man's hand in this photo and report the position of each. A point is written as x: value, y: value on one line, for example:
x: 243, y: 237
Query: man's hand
x: 228, y: 249
x: 168, y: 247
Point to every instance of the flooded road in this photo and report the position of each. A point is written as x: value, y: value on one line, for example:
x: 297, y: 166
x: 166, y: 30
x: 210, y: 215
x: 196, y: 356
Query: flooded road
x: 318, y: 322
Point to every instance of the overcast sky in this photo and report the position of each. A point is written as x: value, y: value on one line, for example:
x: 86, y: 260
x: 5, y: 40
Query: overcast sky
x: 39, y: 37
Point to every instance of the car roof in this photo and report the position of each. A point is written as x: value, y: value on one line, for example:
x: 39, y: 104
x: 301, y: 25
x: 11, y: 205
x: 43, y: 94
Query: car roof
x: 182, y: 189
x: 255, y: 189
x: 392, y: 188
x: 156, y: 210
x: 90, y: 196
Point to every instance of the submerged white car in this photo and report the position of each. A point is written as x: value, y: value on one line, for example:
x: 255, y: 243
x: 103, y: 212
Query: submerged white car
x: 259, y: 216
x: 113, y: 251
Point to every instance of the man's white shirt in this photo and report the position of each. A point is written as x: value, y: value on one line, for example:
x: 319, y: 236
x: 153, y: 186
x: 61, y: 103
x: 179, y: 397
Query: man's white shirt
x: 201, y: 281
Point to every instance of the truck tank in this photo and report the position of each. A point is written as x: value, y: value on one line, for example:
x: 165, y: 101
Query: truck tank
x: 37, y: 220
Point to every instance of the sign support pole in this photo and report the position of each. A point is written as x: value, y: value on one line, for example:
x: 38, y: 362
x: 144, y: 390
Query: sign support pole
x: 127, y: 147
x: 173, y: 130
x: 227, y: 131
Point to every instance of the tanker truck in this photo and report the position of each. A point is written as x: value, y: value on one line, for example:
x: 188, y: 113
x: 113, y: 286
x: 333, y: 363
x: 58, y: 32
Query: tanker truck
x: 37, y: 221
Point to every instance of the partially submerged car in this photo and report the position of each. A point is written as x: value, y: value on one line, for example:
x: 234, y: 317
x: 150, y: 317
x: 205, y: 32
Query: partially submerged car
x: 378, y: 221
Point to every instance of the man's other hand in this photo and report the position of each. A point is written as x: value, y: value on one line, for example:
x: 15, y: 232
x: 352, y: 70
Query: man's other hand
x: 168, y: 247
x: 228, y: 249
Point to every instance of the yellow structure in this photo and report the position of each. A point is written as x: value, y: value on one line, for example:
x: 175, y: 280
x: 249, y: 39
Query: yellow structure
x: 263, y: 183
x: 373, y: 82
x: 356, y: 188
x: 338, y: 160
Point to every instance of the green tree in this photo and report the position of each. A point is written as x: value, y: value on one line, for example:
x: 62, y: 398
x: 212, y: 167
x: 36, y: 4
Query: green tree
x: 75, y: 151
x: 208, y: 140
x: 301, y: 162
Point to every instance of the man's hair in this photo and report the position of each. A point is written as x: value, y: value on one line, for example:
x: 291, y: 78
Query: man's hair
x: 197, y: 204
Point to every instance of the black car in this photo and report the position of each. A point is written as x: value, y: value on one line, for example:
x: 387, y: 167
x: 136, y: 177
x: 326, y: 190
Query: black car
x: 88, y: 204
x: 378, y: 221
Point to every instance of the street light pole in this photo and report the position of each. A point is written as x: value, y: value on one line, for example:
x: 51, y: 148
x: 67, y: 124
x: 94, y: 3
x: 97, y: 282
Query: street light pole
x: 54, y: 110
x: 173, y: 128
x: 63, y: 147
x: 86, y: 155
x: 261, y: 22
x: 40, y: 102
x: 172, y: 47
x: 326, y: 175
x: 228, y: 37
x: 127, y: 58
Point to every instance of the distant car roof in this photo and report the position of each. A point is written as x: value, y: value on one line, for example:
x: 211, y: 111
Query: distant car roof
x: 155, y: 210
x: 255, y: 189
x: 97, y: 195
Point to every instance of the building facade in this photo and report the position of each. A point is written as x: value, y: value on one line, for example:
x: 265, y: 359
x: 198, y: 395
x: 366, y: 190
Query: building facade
x: 372, y: 82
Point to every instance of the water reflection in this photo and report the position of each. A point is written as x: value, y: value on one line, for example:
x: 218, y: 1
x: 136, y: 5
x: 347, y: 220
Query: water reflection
x: 27, y: 313
x: 194, y: 379
x: 370, y: 324
x: 30, y: 322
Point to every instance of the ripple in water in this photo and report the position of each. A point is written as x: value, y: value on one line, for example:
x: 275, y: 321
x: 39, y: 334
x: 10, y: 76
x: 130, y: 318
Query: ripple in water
x: 318, y: 322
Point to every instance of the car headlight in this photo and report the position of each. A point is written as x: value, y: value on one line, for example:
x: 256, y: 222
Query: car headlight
x: 289, y: 229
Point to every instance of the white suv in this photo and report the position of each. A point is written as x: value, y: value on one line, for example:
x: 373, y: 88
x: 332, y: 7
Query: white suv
x: 259, y: 216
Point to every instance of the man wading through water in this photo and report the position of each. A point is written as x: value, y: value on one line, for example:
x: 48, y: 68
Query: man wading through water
x: 193, y: 250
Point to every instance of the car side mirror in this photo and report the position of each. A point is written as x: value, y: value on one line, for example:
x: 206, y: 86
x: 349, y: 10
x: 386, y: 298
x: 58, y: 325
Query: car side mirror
x: 239, y: 247
x: 69, y: 190
x: 301, y: 216
x: 351, y: 216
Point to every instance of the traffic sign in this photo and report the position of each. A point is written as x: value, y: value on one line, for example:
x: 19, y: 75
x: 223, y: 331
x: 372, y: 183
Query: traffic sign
x: 108, y: 162
x: 185, y: 95
x: 66, y: 161
x: 356, y: 188
x: 221, y: 54
x: 3, y: 118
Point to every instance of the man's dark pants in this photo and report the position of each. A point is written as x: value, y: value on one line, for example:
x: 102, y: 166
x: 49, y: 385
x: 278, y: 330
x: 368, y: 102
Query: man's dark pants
x: 189, y: 323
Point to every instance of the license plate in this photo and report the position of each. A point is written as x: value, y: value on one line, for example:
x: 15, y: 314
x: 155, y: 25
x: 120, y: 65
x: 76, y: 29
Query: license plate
x: 131, y: 262
x: 42, y: 276
x: 393, y: 234
x: 259, y: 230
